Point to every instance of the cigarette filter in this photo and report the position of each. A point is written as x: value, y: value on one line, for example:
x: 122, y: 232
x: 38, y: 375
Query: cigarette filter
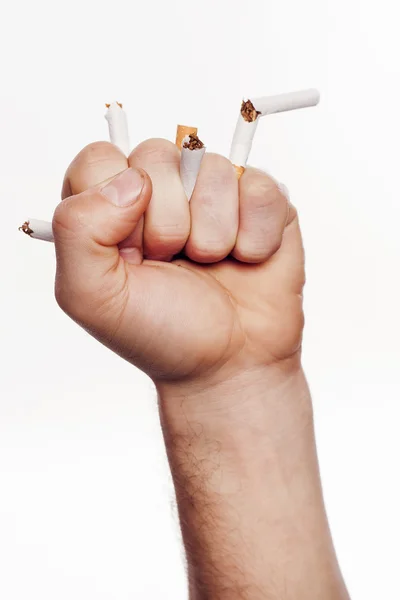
x: 182, y: 131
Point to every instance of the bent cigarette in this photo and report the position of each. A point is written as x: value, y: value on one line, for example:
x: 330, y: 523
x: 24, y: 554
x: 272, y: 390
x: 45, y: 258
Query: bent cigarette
x: 192, y: 154
x: 40, y: 230
x: 182, y: 131
x: 118, y: 126
x: 243, y: 137
x: 250, y: 113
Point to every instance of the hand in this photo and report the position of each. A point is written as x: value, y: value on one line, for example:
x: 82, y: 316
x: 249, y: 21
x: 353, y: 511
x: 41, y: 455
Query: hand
x: 230, y: 302
x: 220, y: 326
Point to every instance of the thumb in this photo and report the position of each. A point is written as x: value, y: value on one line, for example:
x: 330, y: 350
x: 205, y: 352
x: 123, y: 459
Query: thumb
x: 87, y: 228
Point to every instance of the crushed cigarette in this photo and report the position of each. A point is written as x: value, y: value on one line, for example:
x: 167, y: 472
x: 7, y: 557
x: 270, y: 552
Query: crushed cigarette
x: 192, y: 149
x: 118, y: 126
x: 193, y: 143
x: 192, y: 154
x: 248, y: 112
x: 182, y: 131
x: 249, y: 117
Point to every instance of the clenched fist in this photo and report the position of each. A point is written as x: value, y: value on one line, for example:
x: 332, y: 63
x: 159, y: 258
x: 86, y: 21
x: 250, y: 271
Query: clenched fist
x: 184, y: 291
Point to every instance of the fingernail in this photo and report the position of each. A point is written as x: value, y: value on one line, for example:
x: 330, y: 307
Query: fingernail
x: 125, y: 188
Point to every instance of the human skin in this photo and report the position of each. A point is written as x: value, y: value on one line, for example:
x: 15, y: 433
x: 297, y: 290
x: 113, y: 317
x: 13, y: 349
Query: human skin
x: 213, y: 314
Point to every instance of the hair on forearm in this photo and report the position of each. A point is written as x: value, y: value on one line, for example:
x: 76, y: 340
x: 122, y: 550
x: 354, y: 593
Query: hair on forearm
x: 213, y: 548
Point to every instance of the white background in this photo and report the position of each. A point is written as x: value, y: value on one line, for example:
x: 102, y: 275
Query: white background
x: 86, y: 504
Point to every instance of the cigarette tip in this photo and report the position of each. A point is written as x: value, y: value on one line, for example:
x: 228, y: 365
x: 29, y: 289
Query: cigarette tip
x: 249, y: 112
x: 192, y: 142
x: 118, y: 103
x: 25, y: 228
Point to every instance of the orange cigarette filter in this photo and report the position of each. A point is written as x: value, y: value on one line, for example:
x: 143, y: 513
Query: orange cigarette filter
x: 183, y: 131
x: 239, y: 171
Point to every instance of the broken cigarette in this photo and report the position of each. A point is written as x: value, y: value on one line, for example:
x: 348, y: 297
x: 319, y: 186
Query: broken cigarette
x: 118, y: 126
x: 40, y: 230
x: 192, y: 154
x: 119, y: 135
x: 250, y: 113
x: 182, y: 131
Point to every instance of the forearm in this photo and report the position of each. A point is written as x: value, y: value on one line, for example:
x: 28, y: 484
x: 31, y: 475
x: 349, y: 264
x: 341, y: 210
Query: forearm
x: 243, y: 459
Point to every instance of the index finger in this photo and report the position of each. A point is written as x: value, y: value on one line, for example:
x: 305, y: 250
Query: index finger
x: 94, y: 165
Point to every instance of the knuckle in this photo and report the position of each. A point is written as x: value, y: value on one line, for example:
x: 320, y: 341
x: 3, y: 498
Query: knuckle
x: 262, y: 191
x: 87, y: 165
x: 64, y: 218
x: 216, y: 173
x: 97, y: 152
x: 92, y: 155
x: 69, y: 217
x: 156, y: 150
x: 266, y: 192
x: 217, y: 162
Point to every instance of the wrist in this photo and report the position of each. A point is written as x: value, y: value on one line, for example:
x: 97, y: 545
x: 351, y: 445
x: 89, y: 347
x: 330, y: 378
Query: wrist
x: 247, y: 423
x: 242, y: 403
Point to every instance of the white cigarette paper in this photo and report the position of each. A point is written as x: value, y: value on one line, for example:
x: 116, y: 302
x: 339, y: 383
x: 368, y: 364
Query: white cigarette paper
x: 118, y: 127
x: 190, y: 166
x: 40, y: 230
x: 242, y: 141
x: 269, y: 105
x: 245, y: 131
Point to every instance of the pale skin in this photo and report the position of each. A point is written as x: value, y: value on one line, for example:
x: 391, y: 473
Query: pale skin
x: 218, y: 328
